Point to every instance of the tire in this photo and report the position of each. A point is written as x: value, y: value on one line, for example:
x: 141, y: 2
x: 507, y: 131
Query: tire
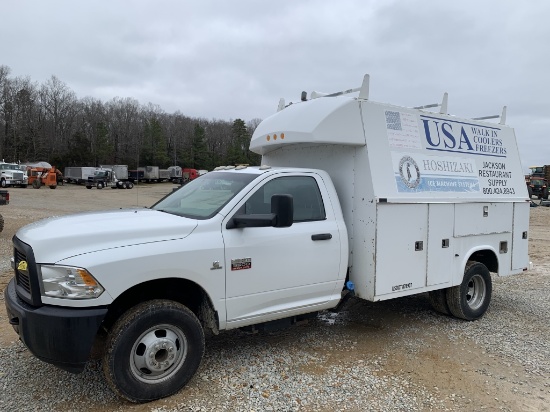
x: 545, y: 193
x: 144, y: 338
x: 438, y: 300
x: 36, y: 184
x: 530, y: 191
x: 3, y: 183
x: 130, y: 185
x: 1, y: 223
x: 124, y: 185
x: 100, y: 185
x: 53, y: 187
x: 470, y: 299
x: 88, y: 187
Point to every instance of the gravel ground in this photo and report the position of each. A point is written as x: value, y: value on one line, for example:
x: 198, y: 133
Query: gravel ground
x: 390, y: 356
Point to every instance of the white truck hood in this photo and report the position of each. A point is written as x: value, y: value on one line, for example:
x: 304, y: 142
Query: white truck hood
x: 58, y: 238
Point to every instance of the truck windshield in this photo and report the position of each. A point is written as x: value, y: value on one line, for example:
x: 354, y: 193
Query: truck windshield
x: 7, y: 166
x: 203, y: 197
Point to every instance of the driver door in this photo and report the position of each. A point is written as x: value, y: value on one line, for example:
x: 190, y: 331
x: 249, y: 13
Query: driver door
x: 278, y: 272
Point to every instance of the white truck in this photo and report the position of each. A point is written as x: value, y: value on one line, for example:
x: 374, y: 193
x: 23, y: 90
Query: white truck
x: 11, y: 174
x: 355, y: 197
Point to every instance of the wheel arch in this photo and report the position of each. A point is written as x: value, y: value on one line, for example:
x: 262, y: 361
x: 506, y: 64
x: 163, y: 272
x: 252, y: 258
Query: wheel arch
x: 486, y: 255
x: 179, y: 290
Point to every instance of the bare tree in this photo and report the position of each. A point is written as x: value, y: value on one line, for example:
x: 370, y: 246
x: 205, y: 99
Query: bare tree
x: 60, y: 108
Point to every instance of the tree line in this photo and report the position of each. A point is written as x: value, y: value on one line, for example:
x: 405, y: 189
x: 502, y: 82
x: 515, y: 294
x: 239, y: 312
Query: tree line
x: 48, y: 122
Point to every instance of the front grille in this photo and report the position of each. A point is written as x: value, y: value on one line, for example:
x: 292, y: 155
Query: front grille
x: 18, y: 176
x: 22, y: 276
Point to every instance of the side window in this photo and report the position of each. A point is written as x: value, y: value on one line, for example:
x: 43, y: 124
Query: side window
x: 308, y: 203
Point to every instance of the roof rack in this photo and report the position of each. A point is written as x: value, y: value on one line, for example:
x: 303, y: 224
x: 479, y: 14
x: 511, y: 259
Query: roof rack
x: 363, y: 93
x: 443, y: 104
x: 496, y: 116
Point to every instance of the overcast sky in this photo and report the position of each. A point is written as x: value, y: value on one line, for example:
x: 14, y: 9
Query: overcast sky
x: 235, y: 59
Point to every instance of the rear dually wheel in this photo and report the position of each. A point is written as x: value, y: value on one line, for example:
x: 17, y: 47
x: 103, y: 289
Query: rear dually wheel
x: 472, y: 297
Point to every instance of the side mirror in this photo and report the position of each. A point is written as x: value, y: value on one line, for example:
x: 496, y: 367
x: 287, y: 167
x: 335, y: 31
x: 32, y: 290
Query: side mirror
x: 282, y: 215
x: 282, y: 206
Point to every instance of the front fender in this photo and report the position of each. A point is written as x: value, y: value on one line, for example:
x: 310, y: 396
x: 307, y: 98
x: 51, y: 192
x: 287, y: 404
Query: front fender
x: 120, y: 269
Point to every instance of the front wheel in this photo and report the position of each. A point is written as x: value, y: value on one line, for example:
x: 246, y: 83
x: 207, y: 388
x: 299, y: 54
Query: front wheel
x: 153, y: 350
x: 36, y: 184
x: 471, y: 298
x: 99, y: 185
x: 3, y: 183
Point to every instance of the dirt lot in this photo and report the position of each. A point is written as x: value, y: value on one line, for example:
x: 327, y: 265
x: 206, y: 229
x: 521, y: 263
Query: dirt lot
x: 498, y: 363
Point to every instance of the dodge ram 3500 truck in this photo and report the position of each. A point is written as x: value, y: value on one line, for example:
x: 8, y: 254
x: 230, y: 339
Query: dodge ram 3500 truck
x: 356, y: 197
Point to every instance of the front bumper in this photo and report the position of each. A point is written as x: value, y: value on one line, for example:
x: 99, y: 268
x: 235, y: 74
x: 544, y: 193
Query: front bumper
x: 13, y: 182
x: 57, y: 335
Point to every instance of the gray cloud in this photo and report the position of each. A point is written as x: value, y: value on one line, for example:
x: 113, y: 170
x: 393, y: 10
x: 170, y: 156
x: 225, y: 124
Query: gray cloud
x: 235, y: 59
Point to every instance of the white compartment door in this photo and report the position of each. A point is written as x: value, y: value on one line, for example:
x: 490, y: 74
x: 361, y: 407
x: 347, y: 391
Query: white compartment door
x: 520, y: 257
x: 401, y: 247
x: 440, y: 243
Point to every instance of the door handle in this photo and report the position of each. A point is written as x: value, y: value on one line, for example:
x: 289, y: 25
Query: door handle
x: 321, y: 236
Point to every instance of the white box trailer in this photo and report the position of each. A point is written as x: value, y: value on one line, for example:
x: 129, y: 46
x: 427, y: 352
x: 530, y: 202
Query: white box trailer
x: 150, y: 173
x: 175, y: 173
x: 78, y: 175
x: 121, y: 171
x: 422, y: 193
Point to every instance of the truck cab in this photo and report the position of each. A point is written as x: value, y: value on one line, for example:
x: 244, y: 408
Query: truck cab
x: 11, y: 174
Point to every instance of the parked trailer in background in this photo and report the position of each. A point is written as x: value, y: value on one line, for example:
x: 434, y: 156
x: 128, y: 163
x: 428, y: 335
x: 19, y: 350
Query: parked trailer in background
x: 164, y: 174
x: 136, y: 175
x: 175, y: 173
x: 121, y: 171
x: 150, y: 173
x: 78, y: 175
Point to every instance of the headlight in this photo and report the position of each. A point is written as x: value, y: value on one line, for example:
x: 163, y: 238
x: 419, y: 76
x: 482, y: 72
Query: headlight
x: 68, y: 282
